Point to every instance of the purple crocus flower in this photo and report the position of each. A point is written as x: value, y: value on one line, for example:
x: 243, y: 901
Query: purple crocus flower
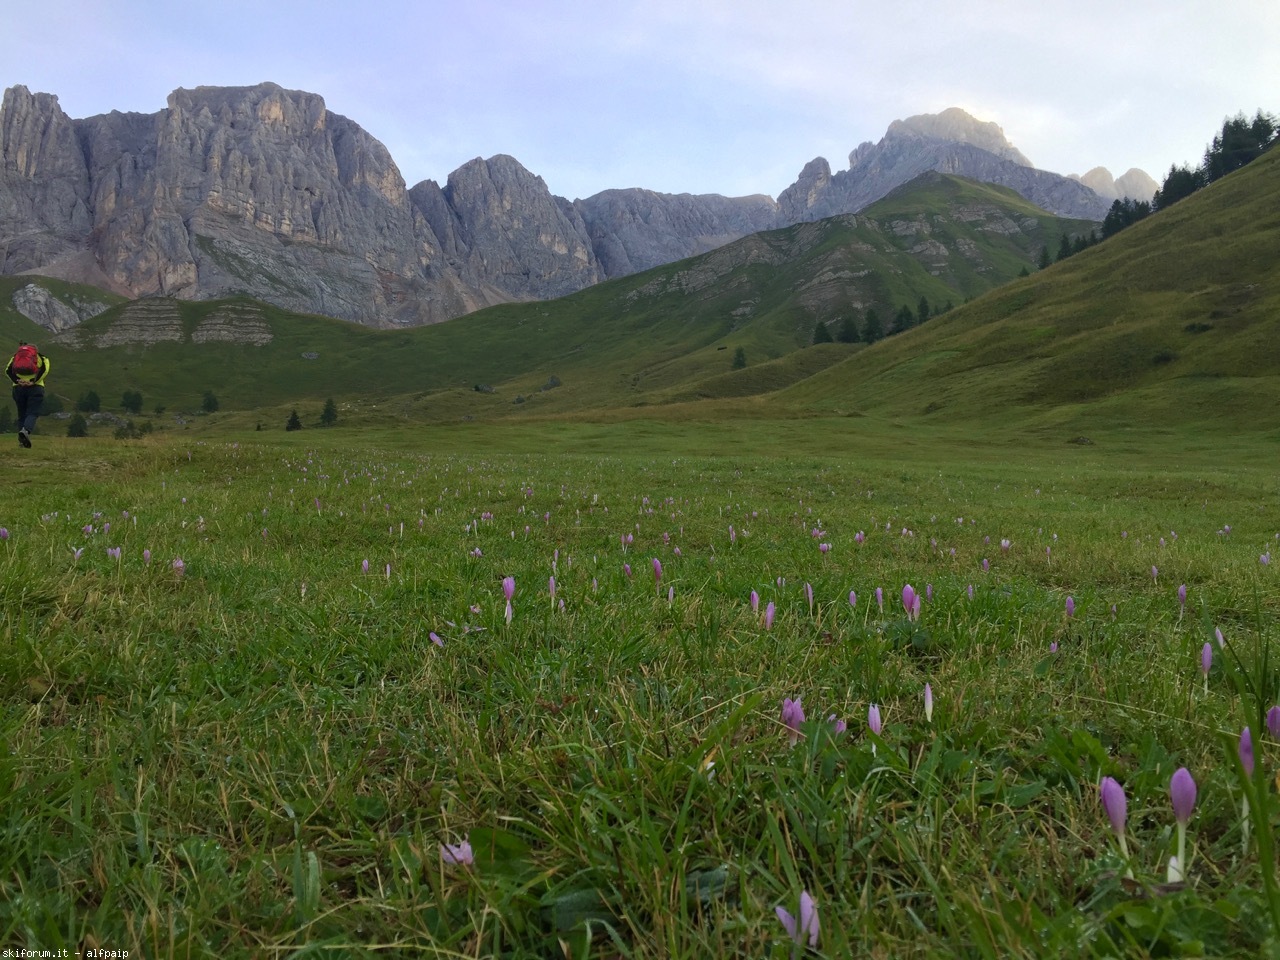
x: 1182, y: 793
x: 928, y: 592
x: 626, y: 568
x: 551, y: 587
x: 853, y: 599
x: 792, y: 717
x: 910, y: 602
x: 1114, y: 803
x: 769, y: 612
x: 4, y: 533
x: 970, y: 591
x: 1071, y: 607
x: 880, y: 598
x: 806, y: 928
x: 755, y: 602
x: 837, y: 726
x: 508, y: 591
x: 178, y: 566
x: 859, y: 537
x: 808, y: 595
x: 1273, y: 722
x: 1155, y: 572
x: 146, y: 557
x: 873, y: 719
x: 657, y: 571
x: 364, y: 566
x: 928, y: 703
x: 1246, y: 752
x: 986, y: 564
x: 457, y: 854
x: 1206, y: 663
x: 435, y: 638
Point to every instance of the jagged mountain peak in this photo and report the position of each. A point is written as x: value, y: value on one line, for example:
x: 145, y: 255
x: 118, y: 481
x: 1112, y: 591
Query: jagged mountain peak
x: 960, y: 126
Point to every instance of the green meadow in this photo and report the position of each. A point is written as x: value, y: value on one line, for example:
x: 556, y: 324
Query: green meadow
x: 280, y: 745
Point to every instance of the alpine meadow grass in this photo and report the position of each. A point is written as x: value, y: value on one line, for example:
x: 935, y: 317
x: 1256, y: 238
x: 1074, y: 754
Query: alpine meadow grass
x: 328, y: 697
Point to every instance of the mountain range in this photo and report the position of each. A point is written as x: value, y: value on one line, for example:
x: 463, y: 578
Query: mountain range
x: 264, y: 192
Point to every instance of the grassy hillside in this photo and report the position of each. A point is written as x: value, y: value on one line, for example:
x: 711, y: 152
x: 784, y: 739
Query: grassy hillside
x: 1170, y: 322
x: 665, y: 335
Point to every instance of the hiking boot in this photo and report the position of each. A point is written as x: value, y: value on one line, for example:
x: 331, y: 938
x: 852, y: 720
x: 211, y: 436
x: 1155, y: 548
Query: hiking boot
x: 24, y: 438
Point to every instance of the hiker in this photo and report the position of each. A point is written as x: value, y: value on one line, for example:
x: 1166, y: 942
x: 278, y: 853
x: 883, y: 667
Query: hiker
x: 27, y: 370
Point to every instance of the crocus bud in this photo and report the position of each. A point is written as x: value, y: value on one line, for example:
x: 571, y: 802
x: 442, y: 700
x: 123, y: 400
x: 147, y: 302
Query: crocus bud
x: 928, y: 703
x: 755, y: 602
x: 1182, y: 793
x: 1273, y: 722
x: 1114, y: 803
x: 1246, y: 751
x: 873, y: 719
x: 1071, y: 606
x: 769, y: 612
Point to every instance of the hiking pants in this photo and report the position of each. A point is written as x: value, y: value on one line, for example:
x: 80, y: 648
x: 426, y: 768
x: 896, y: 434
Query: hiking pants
x: 29, y: 400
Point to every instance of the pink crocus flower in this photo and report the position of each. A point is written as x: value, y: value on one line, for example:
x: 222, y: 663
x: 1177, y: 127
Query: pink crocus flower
x: 853, y: 599
x: 1206, y: 663
x: 880, y: 598
x: 755, y: 602
x: 1116, y: 807
x: 837, y: 726
x: 434, y: 638
x: 808, y: 595
x: 928, y: 703
x: 1182, y: 794
x: 657, y: 572
x: 769, y: 612
x: 457, y: 854
x: 508, y: 591
x: 911, y: 602
x: 792, y: 717
x: 873, y: 719
x: 806, y: 928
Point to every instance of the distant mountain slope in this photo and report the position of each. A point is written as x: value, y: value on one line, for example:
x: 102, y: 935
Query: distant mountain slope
x: 264, y: 192
x: 1174, y: 320
x: 661, y: 335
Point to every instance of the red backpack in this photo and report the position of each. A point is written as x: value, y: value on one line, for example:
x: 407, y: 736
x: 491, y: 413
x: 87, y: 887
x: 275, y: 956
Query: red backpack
x: 26, y: 362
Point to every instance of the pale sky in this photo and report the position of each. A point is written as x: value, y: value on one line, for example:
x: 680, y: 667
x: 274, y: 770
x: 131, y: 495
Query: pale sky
x: 680, y: 96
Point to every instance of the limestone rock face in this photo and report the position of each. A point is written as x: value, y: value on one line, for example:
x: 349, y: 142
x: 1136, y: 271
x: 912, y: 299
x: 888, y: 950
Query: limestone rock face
x: 44, y: 184
x: 40, y: 306
x: 958, y: 126
x: 634, y: 230
x: 1134, y: 184
x: 262, y: 191
x: 509, y: 232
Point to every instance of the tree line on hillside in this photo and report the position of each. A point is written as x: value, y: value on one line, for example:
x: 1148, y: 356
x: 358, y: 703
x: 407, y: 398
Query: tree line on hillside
x: 1240, y: 142
x: 873, y: 328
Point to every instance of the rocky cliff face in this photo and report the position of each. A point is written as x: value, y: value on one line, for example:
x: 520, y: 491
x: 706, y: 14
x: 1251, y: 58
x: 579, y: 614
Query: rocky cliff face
x: 263, y: 191
x: 635, y: 230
